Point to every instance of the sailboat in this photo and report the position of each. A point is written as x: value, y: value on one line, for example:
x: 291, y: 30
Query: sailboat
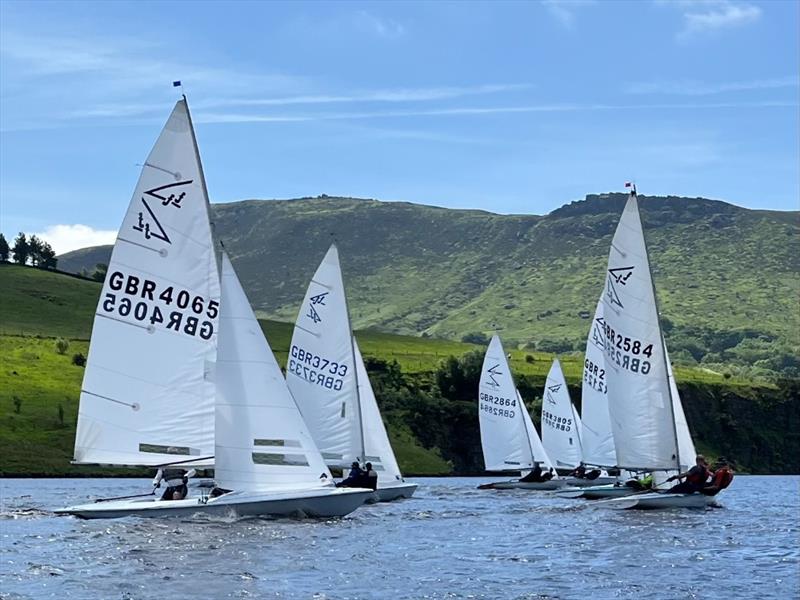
x: 560, y: 421
x: 508, y: 437
x: 327, y: 377
x: 158, y: 391
x: 649, y: 428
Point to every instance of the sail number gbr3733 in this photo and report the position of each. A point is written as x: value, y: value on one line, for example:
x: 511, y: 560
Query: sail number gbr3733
x: 497, y: 405
x: 146, y: 302
x: 316, y: 369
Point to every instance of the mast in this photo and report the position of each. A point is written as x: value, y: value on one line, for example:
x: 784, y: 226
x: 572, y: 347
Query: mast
x: 661, y: 336
x: 355, y: 370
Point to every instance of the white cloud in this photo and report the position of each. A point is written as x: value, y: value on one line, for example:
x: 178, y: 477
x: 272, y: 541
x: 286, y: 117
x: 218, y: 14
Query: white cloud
x: 65, y: 238
x: 703, y: 17
x: 701, y: 88
x: 382, y: 27
x: 564, y: 10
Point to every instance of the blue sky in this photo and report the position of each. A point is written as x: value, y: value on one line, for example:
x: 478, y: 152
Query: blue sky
x: 508, y: 107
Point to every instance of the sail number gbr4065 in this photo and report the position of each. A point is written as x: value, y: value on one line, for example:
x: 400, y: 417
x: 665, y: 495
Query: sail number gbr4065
x: 170, y: 307
x: 497, y: 405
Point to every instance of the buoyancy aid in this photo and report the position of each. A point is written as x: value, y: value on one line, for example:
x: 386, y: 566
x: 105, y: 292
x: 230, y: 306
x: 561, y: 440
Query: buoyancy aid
x: 722, y: 478
x: 697, y: 476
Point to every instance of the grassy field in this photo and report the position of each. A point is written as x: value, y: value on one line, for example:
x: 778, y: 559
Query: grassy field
x: 39, y: 388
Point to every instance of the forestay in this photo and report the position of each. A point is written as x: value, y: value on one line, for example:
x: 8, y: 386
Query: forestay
x: 376, y: 442
x: 560, y: 433
x: 597, y: 440
x: 503, y: 435
x: 147, y: 396
x: 320, y: 370
x: 262, y: 443
x: 639, y: 396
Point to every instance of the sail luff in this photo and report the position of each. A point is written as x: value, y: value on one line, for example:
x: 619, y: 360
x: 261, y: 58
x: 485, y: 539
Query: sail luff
x: 523, y: 410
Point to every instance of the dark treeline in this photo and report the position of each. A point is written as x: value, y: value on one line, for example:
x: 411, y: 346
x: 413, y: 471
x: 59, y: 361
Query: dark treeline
x: 756, y: 427
x: 28, y: 251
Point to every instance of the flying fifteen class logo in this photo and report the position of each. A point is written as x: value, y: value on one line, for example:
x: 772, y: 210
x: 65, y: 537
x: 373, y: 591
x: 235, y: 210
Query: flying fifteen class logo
x: 318, y: 300
x: 618, y: 276
x: 598, y: 333
x: 492, y: 372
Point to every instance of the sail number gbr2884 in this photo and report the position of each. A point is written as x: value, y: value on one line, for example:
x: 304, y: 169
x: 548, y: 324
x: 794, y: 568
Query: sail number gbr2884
x: 497, y: 405
x: 179, y: 310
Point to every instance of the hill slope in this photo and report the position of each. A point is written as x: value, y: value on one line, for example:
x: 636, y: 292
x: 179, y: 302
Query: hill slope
x: 727, y: 277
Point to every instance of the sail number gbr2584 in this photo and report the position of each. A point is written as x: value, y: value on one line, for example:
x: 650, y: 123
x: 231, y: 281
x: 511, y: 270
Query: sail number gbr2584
x: 180, y: 311
x: 628, y: 353
x: 497, y: 405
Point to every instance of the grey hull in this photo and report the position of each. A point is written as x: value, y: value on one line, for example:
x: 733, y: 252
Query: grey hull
x: 576, y: 482
x: 394, y: 492
x: 544, y: 486
x: 309, y: 503
x: 600, y: 492
x: 661, y: 500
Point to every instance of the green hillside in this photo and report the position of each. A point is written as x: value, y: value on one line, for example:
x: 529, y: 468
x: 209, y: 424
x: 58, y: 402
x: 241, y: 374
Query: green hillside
x: 425, y: 388
x: 728, y: 278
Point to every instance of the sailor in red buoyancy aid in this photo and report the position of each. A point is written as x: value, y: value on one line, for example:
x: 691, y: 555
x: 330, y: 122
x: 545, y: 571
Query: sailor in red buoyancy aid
x: 721, y: 478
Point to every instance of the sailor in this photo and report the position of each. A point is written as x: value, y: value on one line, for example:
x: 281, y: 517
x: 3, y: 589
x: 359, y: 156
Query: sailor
x: 645, y: 483
x: 535, y: 476
x: 176, y: 480
x: 371, y: 477
x: 579, y: 472
x: 696, y: 478
x: 354, y: 478
x: 721, y: 478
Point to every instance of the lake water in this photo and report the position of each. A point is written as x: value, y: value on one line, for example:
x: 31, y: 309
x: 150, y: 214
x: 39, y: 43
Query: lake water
x: 449, y: 541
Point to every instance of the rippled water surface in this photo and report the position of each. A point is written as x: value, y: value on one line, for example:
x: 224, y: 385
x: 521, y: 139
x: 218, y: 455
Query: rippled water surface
x: 450, y: 541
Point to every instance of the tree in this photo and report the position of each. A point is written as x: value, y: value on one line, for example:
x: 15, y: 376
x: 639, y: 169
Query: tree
x: 21, y: 249
x: 35, y: 250
x: 48, y: 257
x: 99, y: 273
x: 4, y: 249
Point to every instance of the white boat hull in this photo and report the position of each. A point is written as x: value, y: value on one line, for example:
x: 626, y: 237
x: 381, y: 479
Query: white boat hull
x: 577, y: 482
x: 314, y: 503
x: 661, y: 500
x: 545, y: 486
x: 393, y: 492
x: 598, y: 492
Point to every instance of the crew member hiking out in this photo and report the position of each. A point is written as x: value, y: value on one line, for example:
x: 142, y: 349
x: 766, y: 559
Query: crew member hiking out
x: 696, y: 478
x: 721, y: 478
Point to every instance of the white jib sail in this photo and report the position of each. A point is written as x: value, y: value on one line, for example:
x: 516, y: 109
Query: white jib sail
x: 503, y: 435
x: 377, y: 447
x: 147, y: 396
x: 597, y: 440
x: 560, y: 433
x: 639, y: 395
x: 262, y: 443
x: 320, y: 370
x: 535, y: 443
x: 685, y: 443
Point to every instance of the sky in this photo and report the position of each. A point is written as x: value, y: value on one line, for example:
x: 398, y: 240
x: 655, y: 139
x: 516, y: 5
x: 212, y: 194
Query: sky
x: 509, y: 107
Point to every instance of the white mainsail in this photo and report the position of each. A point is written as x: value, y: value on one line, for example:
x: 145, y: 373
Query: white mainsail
x: 640, y: 404
x: 560, y: 429
x: 320, y: 370
x: 262, y: 443
x: 147, y: 396
x: 504, y: 438
x: 597, y: 440
x: 377, y: 447
x: 535, y: 443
